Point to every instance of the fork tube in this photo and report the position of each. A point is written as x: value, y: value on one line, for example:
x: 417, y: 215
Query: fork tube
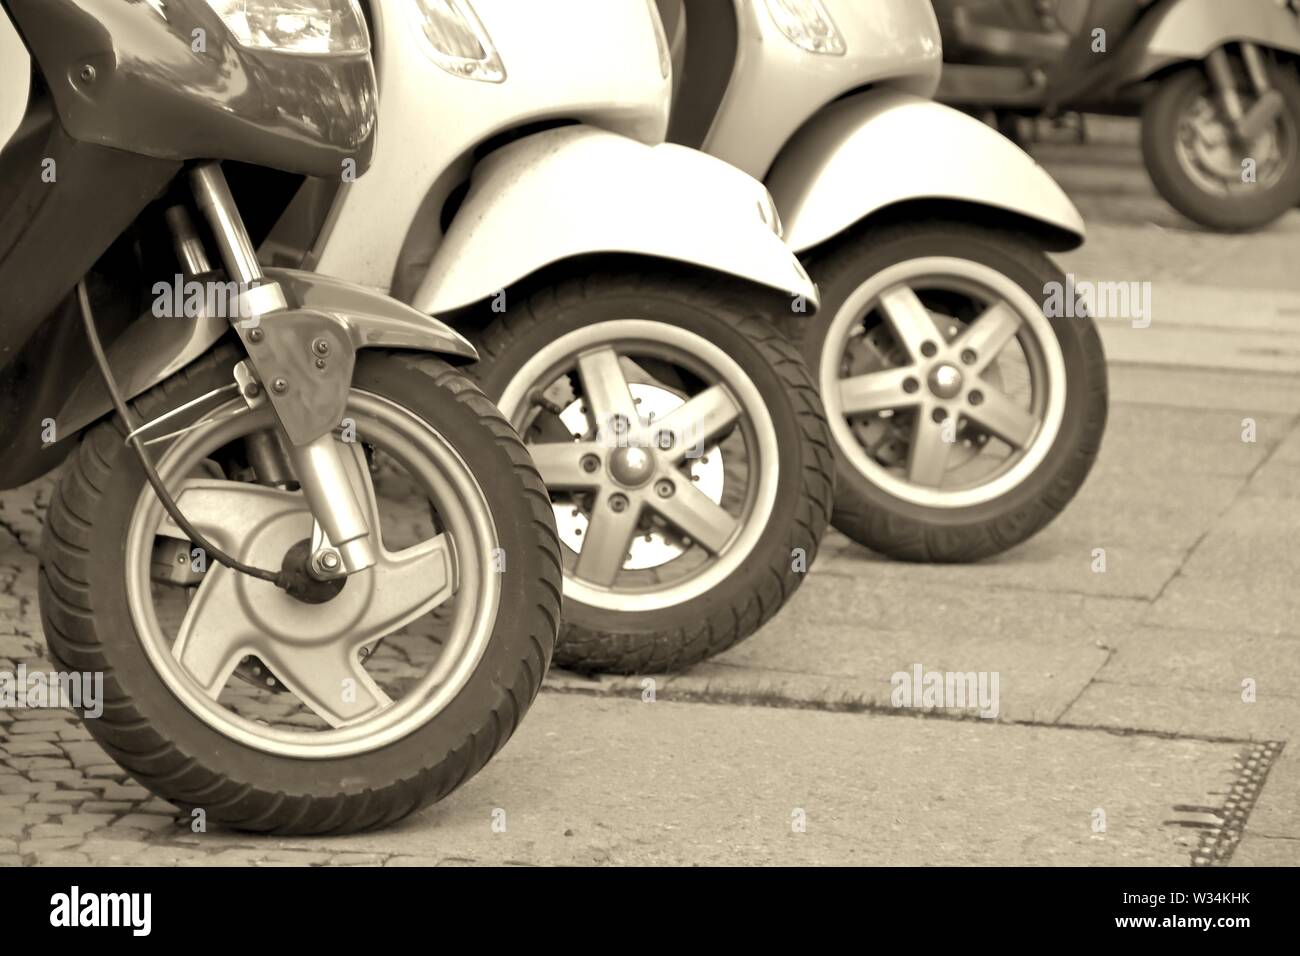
x: 212, y: 194
x: 1254, y: 61
x: 319, y: 464
x: 1220, y: 69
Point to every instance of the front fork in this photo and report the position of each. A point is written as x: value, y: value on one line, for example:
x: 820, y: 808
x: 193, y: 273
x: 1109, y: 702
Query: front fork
x: 1246, y: 124
x: 273, y: 338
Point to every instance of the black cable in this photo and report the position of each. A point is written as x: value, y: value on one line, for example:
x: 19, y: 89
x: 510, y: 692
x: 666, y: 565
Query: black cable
x: 150, y: 472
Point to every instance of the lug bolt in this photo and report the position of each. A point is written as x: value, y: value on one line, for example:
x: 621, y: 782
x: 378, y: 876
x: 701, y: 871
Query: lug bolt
x: 968, y: 356
x: 618, y: 503
x: 910, y: 385
x: 256, y: 335
x: 279, y: 386
x: 320, y: 347
x: 976, y: 397
x: 664, y: 489
x: 590, y: 463
x: 929, y: 349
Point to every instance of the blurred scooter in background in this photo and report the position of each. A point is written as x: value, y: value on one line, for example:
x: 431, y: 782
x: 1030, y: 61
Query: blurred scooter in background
x: 1215, y: 83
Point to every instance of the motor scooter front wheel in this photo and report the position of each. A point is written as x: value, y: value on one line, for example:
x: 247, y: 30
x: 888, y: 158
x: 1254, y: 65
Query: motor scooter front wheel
x: 964, y: 419
x: 342, y: 711
x: 687, y: 457
x: 1202, y: 169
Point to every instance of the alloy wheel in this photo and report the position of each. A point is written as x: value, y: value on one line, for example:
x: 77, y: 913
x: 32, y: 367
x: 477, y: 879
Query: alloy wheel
x: 943, y: 382
x: 334, y: 693
x: 660, y: 456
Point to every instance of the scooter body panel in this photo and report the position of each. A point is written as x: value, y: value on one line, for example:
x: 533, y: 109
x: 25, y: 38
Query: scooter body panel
x: 1189, y: 30
x: 882, y: 147
x: 776, y: 86
x: 128, y: 76
x: 576, y: 190
x: 155, y: 347
x: 387, y: 222
x: 15, y: 78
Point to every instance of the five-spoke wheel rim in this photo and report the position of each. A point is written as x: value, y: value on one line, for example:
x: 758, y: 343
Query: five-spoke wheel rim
x: 945, y: 380
x: 316, y: 650
x: 630, y: 469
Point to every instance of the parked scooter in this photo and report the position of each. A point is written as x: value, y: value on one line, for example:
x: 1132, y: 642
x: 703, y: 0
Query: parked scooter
x: 1216, y: 85
x: 234, y: 519
x: 964, y: 418
x: 620, y: 292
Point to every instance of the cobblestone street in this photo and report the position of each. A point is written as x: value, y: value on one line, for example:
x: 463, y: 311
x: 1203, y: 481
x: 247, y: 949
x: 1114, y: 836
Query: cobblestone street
x: 1122, y: 686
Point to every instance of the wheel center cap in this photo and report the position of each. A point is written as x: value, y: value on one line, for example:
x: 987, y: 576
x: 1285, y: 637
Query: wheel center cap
x: 945, y: 380
x: 632, y: 466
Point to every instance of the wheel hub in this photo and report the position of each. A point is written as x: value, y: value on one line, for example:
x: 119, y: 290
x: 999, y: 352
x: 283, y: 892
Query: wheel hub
x: 653, y: 548
x: 945, y: 380
x: 632, y: 467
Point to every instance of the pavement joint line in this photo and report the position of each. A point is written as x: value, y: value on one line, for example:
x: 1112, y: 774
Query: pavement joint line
x: 1110, y: 655
x: 1018, y: 589
x: 1294, y: 423
x: 1128, y: 683
x: 12, y: 530
x: 873, y: 709
x: 1216, y: 632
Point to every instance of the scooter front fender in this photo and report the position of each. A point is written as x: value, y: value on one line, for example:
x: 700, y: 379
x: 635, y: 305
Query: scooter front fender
x: 155, y: 347
x: 867, y: 152
x: 1189, y: 30
x: 576, y: 191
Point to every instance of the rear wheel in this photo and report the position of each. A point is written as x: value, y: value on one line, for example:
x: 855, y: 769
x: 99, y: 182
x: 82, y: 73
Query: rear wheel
x: 963, y: 418
x: 687, y: 457
x: 272, y: 713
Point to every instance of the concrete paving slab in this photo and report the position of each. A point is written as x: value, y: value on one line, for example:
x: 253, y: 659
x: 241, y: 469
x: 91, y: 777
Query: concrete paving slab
x: 1266, y: 851
x: 697, y: 784
x: 1248, y: 393
x: 1217, y: 661
x: 1242, y: 576
x: 1240, y: 349
x: 1277, y: 814
x: 1171, y: 444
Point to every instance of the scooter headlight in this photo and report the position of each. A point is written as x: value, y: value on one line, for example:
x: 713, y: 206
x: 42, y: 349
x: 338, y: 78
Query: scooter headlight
x: 457, y: 41
x: 296, y: 26
x: 808, y: 25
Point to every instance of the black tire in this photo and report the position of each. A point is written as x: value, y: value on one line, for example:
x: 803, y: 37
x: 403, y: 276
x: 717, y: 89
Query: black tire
x: 731, y: 317
x: 1247, y: 209
x: 905, y: 530
x: 178, y: 756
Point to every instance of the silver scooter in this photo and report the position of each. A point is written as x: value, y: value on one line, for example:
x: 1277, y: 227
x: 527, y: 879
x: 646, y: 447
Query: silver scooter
x: 620, y: 292
x: 964, y: 416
